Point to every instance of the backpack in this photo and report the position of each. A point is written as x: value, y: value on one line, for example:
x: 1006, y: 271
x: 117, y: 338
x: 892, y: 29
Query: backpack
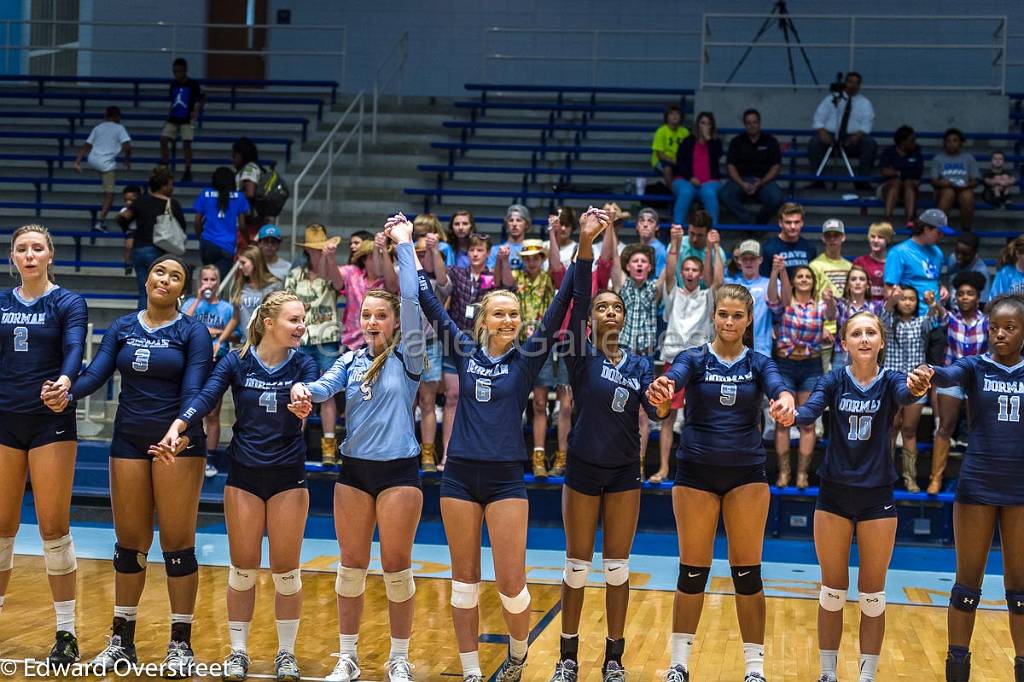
x: 271, y: 194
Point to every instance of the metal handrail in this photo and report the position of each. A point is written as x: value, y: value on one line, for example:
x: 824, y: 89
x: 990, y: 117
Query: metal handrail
x: 88, y: 427
x: 333, y: 150
x: 379, y: 84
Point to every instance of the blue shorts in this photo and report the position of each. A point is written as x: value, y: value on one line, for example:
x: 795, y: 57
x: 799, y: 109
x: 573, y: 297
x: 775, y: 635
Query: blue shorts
x: 995, y: 482
x: 952, y: 392
x: 323, y: 354
x: 554, y: 373
x: 716, y: 479
x: 375, y: 476
x: 590, y: 479
x: 265, y: 482
x: 483, y: 482
x: 29, y: 431
x: 434, y: 359
x: 448, y: 366
x: 856, y: 503
x: 799, y: 375
x: 130, y: 446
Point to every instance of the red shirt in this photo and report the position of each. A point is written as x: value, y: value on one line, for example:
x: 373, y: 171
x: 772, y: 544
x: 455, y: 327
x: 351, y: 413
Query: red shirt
x: 876, y: 275
x: 701, y: 162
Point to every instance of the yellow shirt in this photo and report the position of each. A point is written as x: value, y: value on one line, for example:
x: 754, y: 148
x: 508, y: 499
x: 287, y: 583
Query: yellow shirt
x: 667, y: 141
x: 826, y: 271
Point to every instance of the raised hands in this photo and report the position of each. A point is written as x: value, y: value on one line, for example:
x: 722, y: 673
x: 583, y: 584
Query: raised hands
x: 593, y: 222
x: 929, y: 298
x: 380, y: 241
x: 714, y: 239
x: 778, y: 264
x: 431, y: 241
x: 676, y: 235
x: 661, y: 391
x: 920, y: 380
x: 504, y: 251
x: 398, y: 228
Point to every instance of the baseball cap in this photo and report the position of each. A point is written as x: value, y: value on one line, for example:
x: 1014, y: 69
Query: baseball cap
x: 936, y: 218
x: 268, y: 231
x: 750, y: 246
x: 833, y: 225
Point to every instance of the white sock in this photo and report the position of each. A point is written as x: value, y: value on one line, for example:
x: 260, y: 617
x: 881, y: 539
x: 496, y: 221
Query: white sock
x: 348, y: 644
x: 181, y: 618
x: 329, y: 435
x: 129, y: 613
x: 399, y: 648
x: 65, y: 611
x: 470, y: 663
x: 682, y: 645
x: 829, y: 660
x: 287, y: 630
x: 238, y: 631
x: 753, y: 658
x: 517, y: 647
x: 868, y: 667
x: 3, y: 598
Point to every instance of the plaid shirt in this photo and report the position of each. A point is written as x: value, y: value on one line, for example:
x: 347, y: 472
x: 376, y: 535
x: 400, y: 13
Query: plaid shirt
x: 845, y: 309
x: 466, y: 292
x: 798, y: 329
x: 906, y: 340
x: 965, y: 338
x: 640, y: 328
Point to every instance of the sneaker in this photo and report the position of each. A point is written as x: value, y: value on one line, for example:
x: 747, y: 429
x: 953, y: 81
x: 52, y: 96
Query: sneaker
x: 613, y: 672
x: 286, y: 667
x: 473, y: 678
x: 211, y: 470
x: 236, y: 667
x: 99, y: 226
x: 180, y: 661
x: 511, y: 670
x: 346, y: 670
x: 398, y: 670
x: 558, y: 466
x: 187, y: 175
x: 677, y: 673
x: 1018, y: 669
x: 106, y: 660
x: 539, y: 462
x: 65, y: 649
x: 828, y: 677
x: 565, y: 671
x: 754, y: 677
x: 329, y: 448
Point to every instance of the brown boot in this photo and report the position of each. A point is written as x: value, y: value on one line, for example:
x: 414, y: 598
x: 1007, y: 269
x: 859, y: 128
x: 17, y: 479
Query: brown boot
x: 940, y: 455
x: 329, y: 448
x: 803, y: 466
x: 784, y: 471
x: 427, y: 457
x: 558, y: 466
x: 540, y: 465
x: 909, y: 466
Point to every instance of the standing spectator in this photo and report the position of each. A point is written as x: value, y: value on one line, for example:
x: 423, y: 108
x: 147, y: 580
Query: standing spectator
x: 619, y: 218
x: 965, y: 258
x: 248, y: 180
x: 130, y: 195
x: 954, y: 177
x: 750, y: 277
x: 269, y: 240
x: 667, y: 139
x: 220, y: 216
x: 355, y: 240
x: 647, y: 231
x: 144, y: 213
x: 105, y: 142
x: 561, y: 226
x: 880, y: 236
x: 753, y: 162
x: 187, y: 98
x: 1009, y: 269
x: 430, y: 378
x: 460, y: 227
x: 427, y: 223
x: 793, y: 248
x: 517, y: 225
x: 698, y: 171
x: 850, y: 118
x: 902, y: 167
x: 853, y: 300
x: 830, y: 268
x: 999, y: 181
x: 694, y: 245
x: 253, y: 281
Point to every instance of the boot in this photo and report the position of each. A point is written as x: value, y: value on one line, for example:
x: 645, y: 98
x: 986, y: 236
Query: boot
x: 540, y: 465
x: 329, y: 448
x: 784, y: 470
x: 427, y: 457
x: 940, y: 455
x: 558, y: 466
x: 803, y: 465
x: 908, y: 459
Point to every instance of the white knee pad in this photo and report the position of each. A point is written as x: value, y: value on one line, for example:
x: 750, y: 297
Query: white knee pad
x: 351, y: 582
x: 872, y: 604
x: 616, y: 571
x: 6, y: 554
x: 399, y: 586
x: 242, y: 579
x: 518, y: 603
x: 288, y: 583
x: 831, y: 599
x: 59, y: 555
x: 465, y: 595
x: 575, y: 572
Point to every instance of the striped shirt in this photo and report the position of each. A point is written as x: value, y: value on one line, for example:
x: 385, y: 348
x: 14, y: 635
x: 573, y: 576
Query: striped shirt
x: 799, y: 329
x: 845, y: 309
x: 467, y: 291
x: 640, y: 328
x: 965, y: 338
x: 906, y: 340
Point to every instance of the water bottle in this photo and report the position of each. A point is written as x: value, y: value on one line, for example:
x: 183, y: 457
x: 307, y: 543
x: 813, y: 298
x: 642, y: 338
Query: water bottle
x: 207, y: 294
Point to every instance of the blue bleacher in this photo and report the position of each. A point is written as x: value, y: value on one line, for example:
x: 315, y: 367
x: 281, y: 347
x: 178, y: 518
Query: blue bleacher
x: 68, y: 139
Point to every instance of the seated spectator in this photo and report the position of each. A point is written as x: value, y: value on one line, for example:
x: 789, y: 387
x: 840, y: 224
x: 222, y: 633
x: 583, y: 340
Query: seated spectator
x: 517, y: 226
x: 1009, y: 277
x: 269, y: 241
x: 880, y: 236
x: 460, y: 226
x: 697, y: 170
x: 667, y: 139
x: 954, y: 177
x: 561, y: 226
x: 902, y: 166
x: 647, y: 231
x: 248, y: 180
x: 999, y: 181
x: 695, y: 243
x: 853, y: 129
x: 220, y: 216
x: 794, y: 249
x: 753, y: 162
x: 965, y: 258
x: 105, y: 142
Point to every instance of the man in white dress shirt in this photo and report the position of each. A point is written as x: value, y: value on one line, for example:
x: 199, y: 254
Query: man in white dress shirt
x: 855, y: 134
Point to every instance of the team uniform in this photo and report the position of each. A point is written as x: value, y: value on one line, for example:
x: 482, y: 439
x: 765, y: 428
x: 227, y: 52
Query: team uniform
x: 487, y: 450
x: 162, y: 369
x: 40, y: 341
x: 721, y: 445
x: 380, y: 449
x: 857, y: 473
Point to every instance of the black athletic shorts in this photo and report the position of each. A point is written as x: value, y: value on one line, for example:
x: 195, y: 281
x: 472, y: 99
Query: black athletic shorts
x: 375, y: 476
x: 130, y: 446
x: 265, y: 482
x: 717, y: 479
x: 590, y: 479
x: 29, y: 431
x: 856, y: 503
x: 483, y: 482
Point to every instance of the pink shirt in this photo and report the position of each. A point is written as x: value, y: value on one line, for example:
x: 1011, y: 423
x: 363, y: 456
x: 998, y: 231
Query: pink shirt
x: 356, y: 286
x: 876, y: 276
x: 701, y: 162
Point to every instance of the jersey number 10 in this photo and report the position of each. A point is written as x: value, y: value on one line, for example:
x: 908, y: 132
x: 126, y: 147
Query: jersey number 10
x: 860, y: 428
x: 1009, y: 408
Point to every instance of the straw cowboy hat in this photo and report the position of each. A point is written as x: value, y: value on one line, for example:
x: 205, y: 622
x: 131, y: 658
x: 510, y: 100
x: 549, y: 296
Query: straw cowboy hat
x: 533, y: 247
x: 316, y: 237
x: 616, y: 213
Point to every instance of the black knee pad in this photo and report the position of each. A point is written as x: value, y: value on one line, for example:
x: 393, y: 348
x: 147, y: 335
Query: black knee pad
x: 692, y: 579
x: 127, y: 560
x: 1015, y: 602
x: 746, y: 580
x: 964, y: 598
x: 181, y: 563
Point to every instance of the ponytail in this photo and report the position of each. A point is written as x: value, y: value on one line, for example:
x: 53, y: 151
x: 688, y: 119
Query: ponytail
x: 269, y: 308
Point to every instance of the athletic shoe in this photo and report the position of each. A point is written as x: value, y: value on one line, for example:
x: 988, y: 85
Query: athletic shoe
x: 566, y: 670
x: 473, y: 678
x: 1018, y: 669
x: 236, y: 667
x: 959, y: 671
x: 287, y: 667
x: 677, y: 673
x: 511, y: 670
x: 211, y: 470
x: 346, y: 670
x: 754, y: 677
x: 828, y: 677
x: 106, y: 660
x: 180, y: 661
x: 99, y: 226
x: 398, y: 670
x: 65, y: 649
x: 613, y: 672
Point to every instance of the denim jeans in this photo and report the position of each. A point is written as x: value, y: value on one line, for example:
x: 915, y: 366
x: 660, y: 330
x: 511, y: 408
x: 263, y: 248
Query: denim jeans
x: 734, y: 198
x: 685, y: 192
x: 142, y: 258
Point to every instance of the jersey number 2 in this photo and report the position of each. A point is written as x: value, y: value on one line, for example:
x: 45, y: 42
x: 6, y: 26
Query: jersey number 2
x: 1009, y: 408
x: 268, y: 401
x: 21, y: 339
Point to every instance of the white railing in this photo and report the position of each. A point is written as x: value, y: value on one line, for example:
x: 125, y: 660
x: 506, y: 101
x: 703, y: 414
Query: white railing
x: 87, y: 426
x: 333, y: 148
x: 380, y: 81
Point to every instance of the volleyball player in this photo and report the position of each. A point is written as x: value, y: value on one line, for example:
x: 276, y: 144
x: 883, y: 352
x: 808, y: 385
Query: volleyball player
x: 603, y: 471
x: 856, y: 489
x: 42, y: 340
x: 990, y: 488
x: 266, y: 486
x: 483, y: 478
x: 379, y: 482
x: 163, y: 357
x: 721, y: 468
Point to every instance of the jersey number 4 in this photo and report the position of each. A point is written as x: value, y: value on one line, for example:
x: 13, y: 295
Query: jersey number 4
x: 268, y: 401
x: 1009, y: 408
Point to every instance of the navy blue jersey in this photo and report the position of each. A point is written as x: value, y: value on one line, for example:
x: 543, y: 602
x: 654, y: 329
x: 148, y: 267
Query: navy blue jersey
x: 40, y: 340
x: 723, y: 405
x: 609, y: 396
x: 265, y: 432
x: 493, y: 392
x: 859, y: 451
x: 162, y: 369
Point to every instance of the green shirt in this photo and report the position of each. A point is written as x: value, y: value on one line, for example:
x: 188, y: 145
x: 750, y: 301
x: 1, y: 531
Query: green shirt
x: 667, y: 141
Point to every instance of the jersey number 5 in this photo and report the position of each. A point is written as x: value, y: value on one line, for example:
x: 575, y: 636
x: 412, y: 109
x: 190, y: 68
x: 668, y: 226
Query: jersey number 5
x: 268, y: 401
x: 728, y: 397
x: 21, y: 339
x: 1009, y: 408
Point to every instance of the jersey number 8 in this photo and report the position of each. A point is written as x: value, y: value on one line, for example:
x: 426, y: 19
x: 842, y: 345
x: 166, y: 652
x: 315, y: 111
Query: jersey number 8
x: 619, y: 400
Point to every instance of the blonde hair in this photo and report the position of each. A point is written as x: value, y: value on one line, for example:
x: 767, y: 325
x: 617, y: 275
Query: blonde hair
x: 37, y: 229
x: 261, y: 274
x: 479, y: 331
x: 878, y: 323
x: 884, y: 230
x: 378, y: 362
x: 433, y: 225
x: 269, y: 308
x: 211, y: 268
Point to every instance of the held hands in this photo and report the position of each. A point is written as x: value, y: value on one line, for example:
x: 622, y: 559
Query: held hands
x: 54, y: 394
x: 301, y: 401
x: 170, y: 445
x: 929, y: 298
x: 399, y: 229
x: 431, y: 242
x: 504, y: 251
x: 778, y: 264
x: 329, y: 249
x: 714, y: 238
x: 593, y: 222
x: 380, y: 241
x: 676, y: 235
x: 661, y: 391
x: 920, y: 380
x: 783, y: 410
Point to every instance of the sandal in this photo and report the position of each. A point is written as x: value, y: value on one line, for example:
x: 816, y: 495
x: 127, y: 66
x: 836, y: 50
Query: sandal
x: 657, y: 478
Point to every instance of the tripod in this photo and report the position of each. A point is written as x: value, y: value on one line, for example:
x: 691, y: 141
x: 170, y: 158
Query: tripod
x: 787, y: 26
x: 839, y: 152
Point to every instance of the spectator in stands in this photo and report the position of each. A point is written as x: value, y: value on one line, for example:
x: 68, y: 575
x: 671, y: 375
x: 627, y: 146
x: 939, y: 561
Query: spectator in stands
x: 517, y: 226
x: 144, y: 213
x: 1009, y: 277
x: 460, y: 227
x: 697, y: 170
x: 829, y: 267
x: 853, y: 300
x: 427, y: 223
x: 999, y: 180
x: 248, y: 180
x: 965, y: 258
x: 902, y: 167
x: 694, y: 244
x: 220, y: 216
x: 186, y: 102
x: 105, y: 142
x: 788, y: 243
x: 750, y: 277
x: 619, y: 218
x: 850, y: 118
x: 667, y: 139
x: 753, y: 162
x: 880, y: 236
x: 955, y: 176
x: 561, y: 226
x: 130, y: 195
x: 253, y: 281
x: 269, y: 240
x: 647, y: 231
x: 355, y: 240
